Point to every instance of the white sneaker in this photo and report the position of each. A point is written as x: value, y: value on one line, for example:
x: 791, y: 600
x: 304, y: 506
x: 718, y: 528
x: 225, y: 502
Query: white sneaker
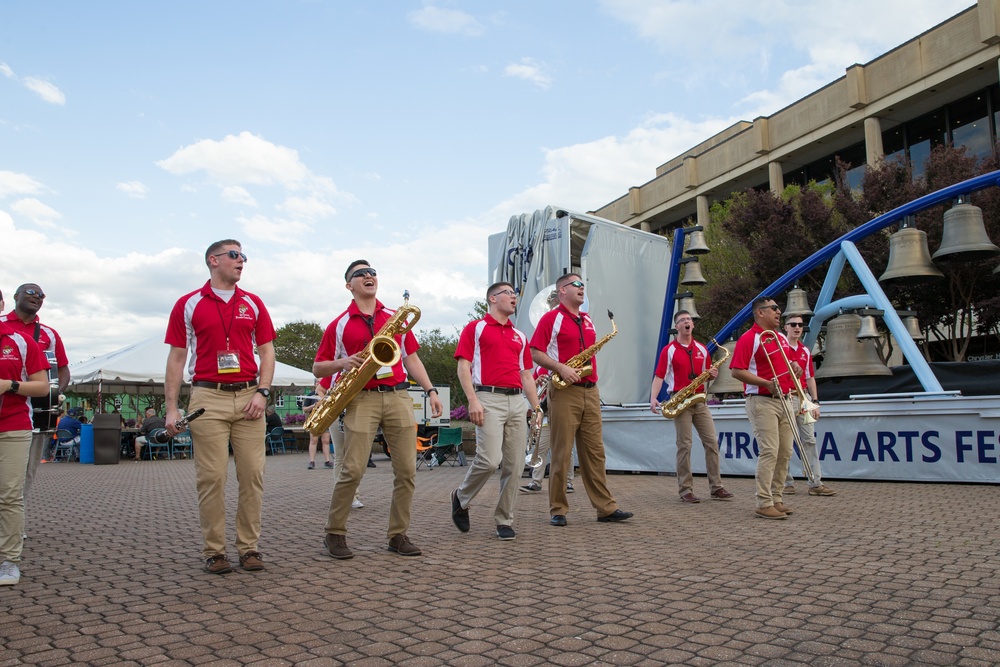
x: 357, y: 504
x: 9, y: 573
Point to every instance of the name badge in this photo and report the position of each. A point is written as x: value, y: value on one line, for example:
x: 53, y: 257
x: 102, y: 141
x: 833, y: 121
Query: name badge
x: 228, y: 361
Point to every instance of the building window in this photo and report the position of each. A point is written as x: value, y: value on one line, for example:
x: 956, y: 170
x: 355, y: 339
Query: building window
x: 922, y: 135
x: 279, y: 401
x: 970, y: 125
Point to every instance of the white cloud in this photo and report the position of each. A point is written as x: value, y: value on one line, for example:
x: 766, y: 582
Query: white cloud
x: 37, y: 212
x: 449, y: 21
x: 49, y: 92
x: 7, y: 71
x: 309, y: 208
x: 239, y: 159
x: 13, y: 183
x: 273, y: 230
x: 134, y: 189
x: 529, y: 70
x: 236, y: 194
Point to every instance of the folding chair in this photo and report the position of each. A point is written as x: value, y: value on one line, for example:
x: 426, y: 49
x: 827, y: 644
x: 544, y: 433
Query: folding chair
x: 275, y: 440
x: 182, y: 444
x: 62, y: 448
x: 153, y: 446
x: 448, y: 447
x: 424, y: 455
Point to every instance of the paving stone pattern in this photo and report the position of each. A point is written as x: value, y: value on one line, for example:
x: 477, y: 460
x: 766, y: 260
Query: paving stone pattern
x: 882, y: 574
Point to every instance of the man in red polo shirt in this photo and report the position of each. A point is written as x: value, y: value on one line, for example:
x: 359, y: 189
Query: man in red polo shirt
x: 23, y: 373
x: 221, y: 324
x: 574, y: 412
x: 28, y: 300
x: 494, y: 367
x: 383, y: 402
x: 681, y: 361
x: 752, y: 364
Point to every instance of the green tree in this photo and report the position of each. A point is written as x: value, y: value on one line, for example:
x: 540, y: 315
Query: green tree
x: 437, y: 352
x: 297, y: 343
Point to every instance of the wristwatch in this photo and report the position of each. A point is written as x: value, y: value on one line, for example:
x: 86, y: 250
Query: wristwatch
x: 14, y: 386
x: 264, y: 391
x: 434, y: 389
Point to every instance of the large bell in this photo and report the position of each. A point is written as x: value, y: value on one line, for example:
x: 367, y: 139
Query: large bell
x: 868, y: 329
x: 686, y: 302
x: 692, y: 272
x: 964, y: 237
x: 726, y: 383
x: 909, y: 259
x: 697, y: 245
x: 797, y: 303
x: 845, y: 355
x: 913, y: 327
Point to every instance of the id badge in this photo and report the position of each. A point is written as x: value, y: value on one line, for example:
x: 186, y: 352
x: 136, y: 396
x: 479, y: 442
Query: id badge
x: 384, y: 372
x: 228, y: 361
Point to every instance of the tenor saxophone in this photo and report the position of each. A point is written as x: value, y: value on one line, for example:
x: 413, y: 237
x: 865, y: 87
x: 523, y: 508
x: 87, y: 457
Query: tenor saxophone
x: 579, y: 361
x: 383, y: 350
x: 686, y: 397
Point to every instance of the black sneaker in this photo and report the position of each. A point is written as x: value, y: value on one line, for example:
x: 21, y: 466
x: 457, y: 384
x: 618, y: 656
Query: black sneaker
x: 506, y: 533
x: 458, y: 515
x: 616, y: 516
x: 558, y: 520
x: 218, y: 564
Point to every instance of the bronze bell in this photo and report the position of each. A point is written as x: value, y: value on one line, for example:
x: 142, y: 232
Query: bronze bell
x: 686, y: 302
x: 697, y: 245
x: 726, y: 383
x: 845, y: 355
x: 797, y: 303
x: 868, y: 329
x: 692, y: 272
x: 909, y: 258
x: 913, y: 327
x: 964, y: 237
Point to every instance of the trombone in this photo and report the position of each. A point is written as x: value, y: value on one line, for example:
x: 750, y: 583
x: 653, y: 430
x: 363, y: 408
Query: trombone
x: 807, y: 406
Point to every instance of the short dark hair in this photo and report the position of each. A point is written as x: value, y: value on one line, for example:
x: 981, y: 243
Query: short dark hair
x: 761, y: 301
x: 490, y: 290
x: 217, y: 246
x: 350, y: 268
x: 567, y: 278
x: 678, y: 314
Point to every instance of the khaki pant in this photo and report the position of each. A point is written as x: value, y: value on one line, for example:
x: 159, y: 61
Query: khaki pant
x: 544, y: 441
x: 701, y: 417
x: 774, y: 444
x: 41, y: 444
x: 499, y: 442
x: 393, y: 410
x: 221, y: 425
x: 14, y: 448
x: 575, y: 413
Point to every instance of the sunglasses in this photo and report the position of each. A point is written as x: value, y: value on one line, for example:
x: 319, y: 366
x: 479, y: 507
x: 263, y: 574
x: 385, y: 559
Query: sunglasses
x: 31, y: 292
x: 797, y: 325
x: 575, y: 283
x: 508, y: 292
x: 233, y: 254
x: 773, y: 307
x: 363, y: 272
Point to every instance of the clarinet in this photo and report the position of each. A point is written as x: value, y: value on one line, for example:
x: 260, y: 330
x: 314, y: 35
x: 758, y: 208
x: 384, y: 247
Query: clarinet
x: 161, y: 437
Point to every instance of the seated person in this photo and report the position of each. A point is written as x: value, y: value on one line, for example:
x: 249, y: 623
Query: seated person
x: 70, y: 423
x: 273, y: 420
x: 149, y: 424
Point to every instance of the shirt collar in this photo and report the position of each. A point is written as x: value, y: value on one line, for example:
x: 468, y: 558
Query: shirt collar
x: 209, y: 292
x: 354, y: 310
x: 489, y: 319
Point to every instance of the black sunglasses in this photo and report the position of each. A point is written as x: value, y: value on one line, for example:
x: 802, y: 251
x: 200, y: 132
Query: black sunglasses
x: 797, y: 325
x: 363, y: 272
x: 233, y: 254
x: 31, y: 292
x: 775, y: 307
x: 575, y: 283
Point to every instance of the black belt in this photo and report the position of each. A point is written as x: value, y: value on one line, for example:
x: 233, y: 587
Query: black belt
x: 225, y: 386
x: 389, y: 387
x: 507, y: 391
x: 585, y: 385
x: 778, y: 396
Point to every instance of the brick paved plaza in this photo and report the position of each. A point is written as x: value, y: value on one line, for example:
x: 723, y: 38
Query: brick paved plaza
x: 883, y: 574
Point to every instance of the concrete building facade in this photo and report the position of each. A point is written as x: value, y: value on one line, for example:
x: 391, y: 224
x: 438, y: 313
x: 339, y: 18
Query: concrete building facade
x: 939, y: 88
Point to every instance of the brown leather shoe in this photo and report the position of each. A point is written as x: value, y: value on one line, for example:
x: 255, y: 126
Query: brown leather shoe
x: 721, y: 494
x: 337, y: 546
x: 822, y: 490
x: 401, y: 544
x: 769, y: 513
x: 783, y: 508
x: 690, y: 498
x: 252, y: 561
x: 218, y: 564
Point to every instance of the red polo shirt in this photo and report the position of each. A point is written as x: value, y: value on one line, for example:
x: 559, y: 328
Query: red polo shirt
x: 48, y: 340
x: 750, y: 355
x: 561, y: 335
x: 208, y: 325
x: 351, y: 332
x: 678, y: 363
x: 20, y: 357
x: 498, y: 352
x: 804, y: 358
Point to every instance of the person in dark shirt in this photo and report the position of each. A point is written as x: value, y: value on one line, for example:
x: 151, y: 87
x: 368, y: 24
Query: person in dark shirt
x: 272, y: 418
x: 71, y: 424
x: 149, y: 424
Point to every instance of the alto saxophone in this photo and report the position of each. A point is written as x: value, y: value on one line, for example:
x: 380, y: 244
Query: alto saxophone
x: 579, y: 361
x: 383, y: 350
x: 686, y: 397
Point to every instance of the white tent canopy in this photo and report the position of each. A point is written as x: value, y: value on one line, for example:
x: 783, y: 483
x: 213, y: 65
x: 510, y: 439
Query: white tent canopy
x: 144, y: 364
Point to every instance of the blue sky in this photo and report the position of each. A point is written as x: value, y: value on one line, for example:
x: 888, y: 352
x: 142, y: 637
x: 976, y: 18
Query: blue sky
x: 133, y: 134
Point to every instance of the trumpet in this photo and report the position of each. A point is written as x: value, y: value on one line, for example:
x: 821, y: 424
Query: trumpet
x: 806, y: 406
